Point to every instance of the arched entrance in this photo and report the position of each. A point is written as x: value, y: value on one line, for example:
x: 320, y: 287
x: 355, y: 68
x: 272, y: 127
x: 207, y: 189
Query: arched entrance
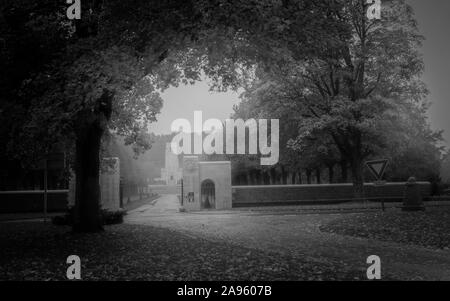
x: 208, y: 195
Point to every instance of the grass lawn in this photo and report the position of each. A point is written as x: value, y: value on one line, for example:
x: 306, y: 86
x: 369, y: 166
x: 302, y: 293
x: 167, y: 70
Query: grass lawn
x: 38, y: 251
x: 430, y: 229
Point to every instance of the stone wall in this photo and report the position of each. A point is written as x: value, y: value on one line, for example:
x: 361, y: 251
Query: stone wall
x: 59, y: 200
x: 32, y: 201
x: 313, y: 194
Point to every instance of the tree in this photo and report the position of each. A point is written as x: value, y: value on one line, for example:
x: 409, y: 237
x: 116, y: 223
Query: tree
x: 31, y: 36
x: 104, y: 72
x: 355, y: 87
x: 445, y: 168
x: 414, y: 150
x: 266, y: 100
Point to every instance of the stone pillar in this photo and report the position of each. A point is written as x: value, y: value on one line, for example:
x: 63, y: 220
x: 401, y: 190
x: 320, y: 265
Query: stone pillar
x: 220, y: 174
x: 71, y: 194
x: 412, y: 197
x: 191, y: 183
x: 109, y: 185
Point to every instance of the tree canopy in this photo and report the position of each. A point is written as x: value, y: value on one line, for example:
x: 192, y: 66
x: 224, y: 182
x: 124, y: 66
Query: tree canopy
x: 340, y: 83
x: 73, y: 82
x: 361, y: 94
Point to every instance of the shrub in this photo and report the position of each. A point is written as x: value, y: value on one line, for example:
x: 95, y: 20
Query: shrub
x: 60, y: 220
x: 112, y: 217
x: 108, y: 217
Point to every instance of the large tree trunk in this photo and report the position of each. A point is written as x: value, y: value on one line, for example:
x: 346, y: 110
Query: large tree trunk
x: 318, y: 176
x: 254, y: 177
x: 331, y: 173
x: 258, y: 177
x: 266, y: 178
x: 278, y: 176
x: 357, y: 177
x: 284, y: 175
x: 344, y: 173
x: 273, y: 176
x: 243, y: 179
x: 87, y: 216
x: 235, y: 181
x: 308, y: 176
x: 248, y: 177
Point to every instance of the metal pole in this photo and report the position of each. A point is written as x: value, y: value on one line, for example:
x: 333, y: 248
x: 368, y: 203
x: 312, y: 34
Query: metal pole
x: 121, y: 193
x: 182, y: 194
x: 45, y: 190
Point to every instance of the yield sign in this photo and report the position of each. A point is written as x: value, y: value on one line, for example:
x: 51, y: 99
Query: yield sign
x: 377, y: 167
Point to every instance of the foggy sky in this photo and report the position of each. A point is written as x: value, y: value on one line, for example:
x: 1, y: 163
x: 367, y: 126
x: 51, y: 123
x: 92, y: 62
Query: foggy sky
x: 434, y: 23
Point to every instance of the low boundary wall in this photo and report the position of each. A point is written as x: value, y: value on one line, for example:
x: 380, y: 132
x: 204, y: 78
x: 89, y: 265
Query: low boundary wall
x: 32, y: 201
x: 268, y: 195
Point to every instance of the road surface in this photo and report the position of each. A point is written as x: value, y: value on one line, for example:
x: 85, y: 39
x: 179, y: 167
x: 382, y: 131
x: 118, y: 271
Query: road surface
x: 295, y: 234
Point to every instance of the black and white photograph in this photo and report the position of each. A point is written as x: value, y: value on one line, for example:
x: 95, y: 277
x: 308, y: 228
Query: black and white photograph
x: 219, y: 147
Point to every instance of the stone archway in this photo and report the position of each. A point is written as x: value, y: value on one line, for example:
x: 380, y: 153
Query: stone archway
x: 208, y: 195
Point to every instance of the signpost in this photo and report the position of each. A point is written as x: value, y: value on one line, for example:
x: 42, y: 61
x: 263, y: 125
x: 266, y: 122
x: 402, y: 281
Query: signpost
x: 182, y: 193
x: 377, y: 168
x: 45, y: 189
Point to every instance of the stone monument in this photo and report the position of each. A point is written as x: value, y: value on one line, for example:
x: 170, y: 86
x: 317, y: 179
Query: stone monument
x: 109, y: 185
x: 413, y: 200
x: 206, y: 185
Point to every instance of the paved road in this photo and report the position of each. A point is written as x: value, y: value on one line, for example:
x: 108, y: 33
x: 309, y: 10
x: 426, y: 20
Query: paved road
x: 296, y: 234
x: 164, y: 189
x: 167, y: 204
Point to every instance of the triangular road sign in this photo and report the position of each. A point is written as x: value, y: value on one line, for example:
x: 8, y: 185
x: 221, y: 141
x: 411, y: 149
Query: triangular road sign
x: 377, y: 167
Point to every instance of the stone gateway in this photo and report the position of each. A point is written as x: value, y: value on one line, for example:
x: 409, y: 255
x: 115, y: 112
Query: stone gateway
x: 206, y: 185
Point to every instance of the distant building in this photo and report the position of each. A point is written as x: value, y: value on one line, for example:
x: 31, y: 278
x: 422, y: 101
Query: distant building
x: 171, y: 174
